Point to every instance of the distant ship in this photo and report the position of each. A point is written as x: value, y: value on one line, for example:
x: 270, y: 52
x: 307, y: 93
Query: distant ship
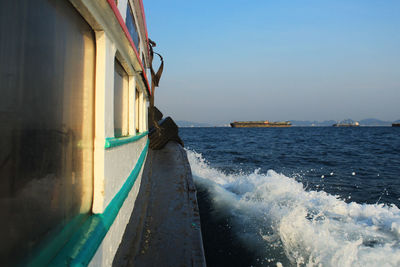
x: 260, y: 124
x: 396, y: 124
x: 347, y: 123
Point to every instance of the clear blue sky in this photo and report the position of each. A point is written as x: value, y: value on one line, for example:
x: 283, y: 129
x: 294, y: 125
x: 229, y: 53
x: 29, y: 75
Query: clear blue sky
x: 277, y: 60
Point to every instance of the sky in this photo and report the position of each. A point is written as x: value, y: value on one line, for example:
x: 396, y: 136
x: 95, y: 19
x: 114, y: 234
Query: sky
x: 277, y: 59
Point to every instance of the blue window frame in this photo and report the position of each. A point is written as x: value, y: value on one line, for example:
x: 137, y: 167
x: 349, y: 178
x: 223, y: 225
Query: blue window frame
x: 131, y: 25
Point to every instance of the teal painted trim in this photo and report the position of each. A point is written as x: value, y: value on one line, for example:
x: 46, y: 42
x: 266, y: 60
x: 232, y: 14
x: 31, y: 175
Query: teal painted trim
x: 52, y: 244
x: 83, y: 245
x: 119, y: 141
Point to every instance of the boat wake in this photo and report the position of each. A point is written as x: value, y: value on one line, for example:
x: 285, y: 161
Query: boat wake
x: 310, y: 228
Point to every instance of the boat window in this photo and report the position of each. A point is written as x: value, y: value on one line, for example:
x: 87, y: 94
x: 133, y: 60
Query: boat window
x: 137, y: 110
x: 47, y: 59
x: 121, y: 101
x: 131, y: 25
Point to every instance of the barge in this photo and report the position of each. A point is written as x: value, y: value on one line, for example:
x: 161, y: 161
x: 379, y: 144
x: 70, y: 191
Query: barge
x: 260, y: 124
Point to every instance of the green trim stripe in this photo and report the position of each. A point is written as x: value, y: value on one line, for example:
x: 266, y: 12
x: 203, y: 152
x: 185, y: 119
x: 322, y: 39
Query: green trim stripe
x: 83, y: 245
x: 119, y: 141
x: 53, y: 243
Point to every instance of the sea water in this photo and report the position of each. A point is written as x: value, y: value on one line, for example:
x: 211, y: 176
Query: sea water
x: 320, y: 196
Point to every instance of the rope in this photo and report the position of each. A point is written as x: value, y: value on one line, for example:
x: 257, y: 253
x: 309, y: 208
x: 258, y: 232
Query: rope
x: 155, y: 80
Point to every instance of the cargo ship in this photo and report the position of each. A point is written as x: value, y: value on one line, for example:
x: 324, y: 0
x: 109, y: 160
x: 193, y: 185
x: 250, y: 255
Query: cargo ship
x: 347, y: 123
x: 259, y: 124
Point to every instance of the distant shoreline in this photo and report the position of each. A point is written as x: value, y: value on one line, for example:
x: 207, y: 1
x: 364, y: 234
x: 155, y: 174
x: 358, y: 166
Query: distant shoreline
x: 296, y: 123
x: 293, y: 126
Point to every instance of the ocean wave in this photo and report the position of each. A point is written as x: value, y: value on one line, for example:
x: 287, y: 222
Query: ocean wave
x: 313, y: 228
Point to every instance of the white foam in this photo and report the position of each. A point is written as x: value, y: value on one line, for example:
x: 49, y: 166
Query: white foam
x: 314, y: 228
